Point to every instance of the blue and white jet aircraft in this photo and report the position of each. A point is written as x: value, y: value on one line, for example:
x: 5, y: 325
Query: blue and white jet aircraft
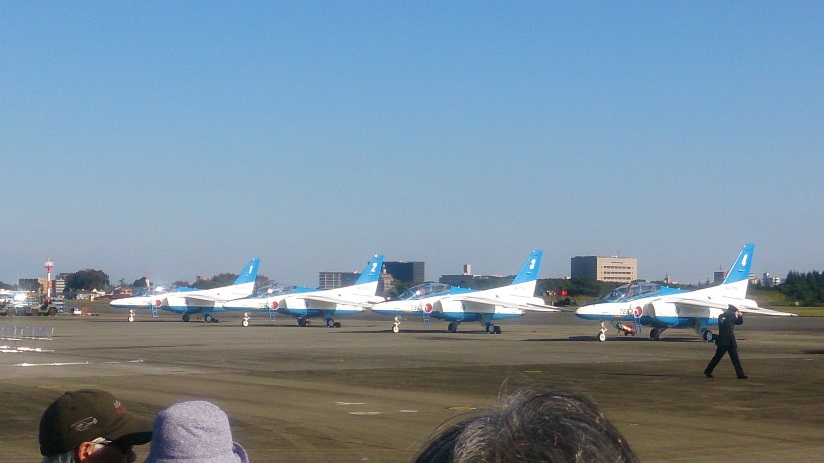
x: 145, y: 298
x: 306, y: 303
x: 188, y: 301
x: 456, y: 305
x: 637, y: 304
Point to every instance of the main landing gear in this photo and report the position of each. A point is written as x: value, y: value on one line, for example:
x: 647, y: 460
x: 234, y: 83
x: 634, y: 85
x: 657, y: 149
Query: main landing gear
x: 208, y: 318
x: 131, y: 315
x: 492, y: 329
x: 246, y: 319
x: 396, y: 327
x: 305, y: 321
x: 707, y: 336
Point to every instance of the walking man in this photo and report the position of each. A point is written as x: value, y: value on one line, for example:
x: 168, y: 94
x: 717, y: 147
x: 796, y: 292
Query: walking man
x: 725, y: 341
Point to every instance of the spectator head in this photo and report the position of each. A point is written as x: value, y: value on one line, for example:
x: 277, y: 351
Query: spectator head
x: 194, y: 431
x: 535, y: 423
x: 90, y: 421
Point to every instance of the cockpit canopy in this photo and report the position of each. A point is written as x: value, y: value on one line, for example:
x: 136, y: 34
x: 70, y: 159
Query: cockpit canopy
x: 424, y: 290
x: 631, y: 291
x: 158, y: 290
x: 275, y: 290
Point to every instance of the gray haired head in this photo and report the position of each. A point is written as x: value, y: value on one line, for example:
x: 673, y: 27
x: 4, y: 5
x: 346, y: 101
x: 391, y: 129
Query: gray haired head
x: 195, y: 431
x: 536, y: 423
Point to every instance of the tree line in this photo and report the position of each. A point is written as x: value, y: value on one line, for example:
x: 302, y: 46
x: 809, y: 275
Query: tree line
x: 805, y: 288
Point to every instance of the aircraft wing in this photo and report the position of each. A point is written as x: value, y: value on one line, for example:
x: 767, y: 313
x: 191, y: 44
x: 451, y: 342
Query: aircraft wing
x: 337, y: 300
x: 509, y: 303
x: 746, y: 306
x: 199, y: 302
x: 544, y: 308
x: 762, y: 311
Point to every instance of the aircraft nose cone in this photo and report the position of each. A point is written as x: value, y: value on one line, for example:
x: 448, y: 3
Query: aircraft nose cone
x: 124, y: 303
x: 388, y: 306
x: 588, y: 312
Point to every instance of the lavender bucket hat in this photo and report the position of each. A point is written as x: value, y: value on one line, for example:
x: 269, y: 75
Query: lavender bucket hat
x: 194, y: 432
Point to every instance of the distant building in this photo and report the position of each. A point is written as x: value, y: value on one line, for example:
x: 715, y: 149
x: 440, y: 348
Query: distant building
x: 770, y: 280
x: 386, y: 285
x: 332, y: 280
x: 36, y: 285
x: 464, y: 279
x: 59, y: 283
x: 122, y: 292
x: 407, y: 272
x: 610, y: 269
x: 403, y: 274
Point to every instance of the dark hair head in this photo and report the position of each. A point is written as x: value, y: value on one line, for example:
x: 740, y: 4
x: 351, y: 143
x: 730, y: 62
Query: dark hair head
x: 536, y: 423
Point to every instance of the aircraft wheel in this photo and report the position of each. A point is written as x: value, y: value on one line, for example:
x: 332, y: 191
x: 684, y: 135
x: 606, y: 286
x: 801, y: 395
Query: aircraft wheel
x: 490, y: 328
x: 207, y: 318
x: 186, y: 318
x: 654, y: 334
x: 497, y: 329
x: 395, y: 328
x: 131, y: 318
x: 330, y: 323
x: 245, y: 322
x: 337, y: 325
x: 453, y: 327
x: 602, y: 336
x: 707, y: 336
x: 301, y: 322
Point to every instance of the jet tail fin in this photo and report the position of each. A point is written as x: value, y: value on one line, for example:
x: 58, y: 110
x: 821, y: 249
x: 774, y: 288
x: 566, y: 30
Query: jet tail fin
x: 529, y: 271
x: 372, y: 271
x: 741, y: 268
x: 249, y: 273
x: 738, y: 278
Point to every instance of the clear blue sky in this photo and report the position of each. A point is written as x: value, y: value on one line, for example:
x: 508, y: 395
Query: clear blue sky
x: 184, y: 138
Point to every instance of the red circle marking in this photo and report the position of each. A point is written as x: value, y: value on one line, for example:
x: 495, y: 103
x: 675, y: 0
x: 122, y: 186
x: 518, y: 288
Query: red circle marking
x: 428, y: 308
x: 158, y: 303
x: 274, y: 304
x: 639, y: 311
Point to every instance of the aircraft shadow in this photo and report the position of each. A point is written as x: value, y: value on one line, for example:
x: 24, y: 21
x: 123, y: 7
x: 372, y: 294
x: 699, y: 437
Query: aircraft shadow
x: 389, y: 331
x: 814, y: 352
x: 612, y: 339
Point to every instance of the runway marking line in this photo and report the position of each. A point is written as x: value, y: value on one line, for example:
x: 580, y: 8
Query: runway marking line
x: 63, y: 364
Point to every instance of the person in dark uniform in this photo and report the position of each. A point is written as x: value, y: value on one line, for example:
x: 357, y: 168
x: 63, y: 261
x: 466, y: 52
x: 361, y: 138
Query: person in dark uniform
x: 725, y: 341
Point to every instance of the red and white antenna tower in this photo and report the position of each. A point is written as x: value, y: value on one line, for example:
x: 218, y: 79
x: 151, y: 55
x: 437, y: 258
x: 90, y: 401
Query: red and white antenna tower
x: 49, y: 266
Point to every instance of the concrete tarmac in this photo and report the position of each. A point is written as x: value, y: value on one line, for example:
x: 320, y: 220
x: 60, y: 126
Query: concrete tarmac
x: 361, y: 393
